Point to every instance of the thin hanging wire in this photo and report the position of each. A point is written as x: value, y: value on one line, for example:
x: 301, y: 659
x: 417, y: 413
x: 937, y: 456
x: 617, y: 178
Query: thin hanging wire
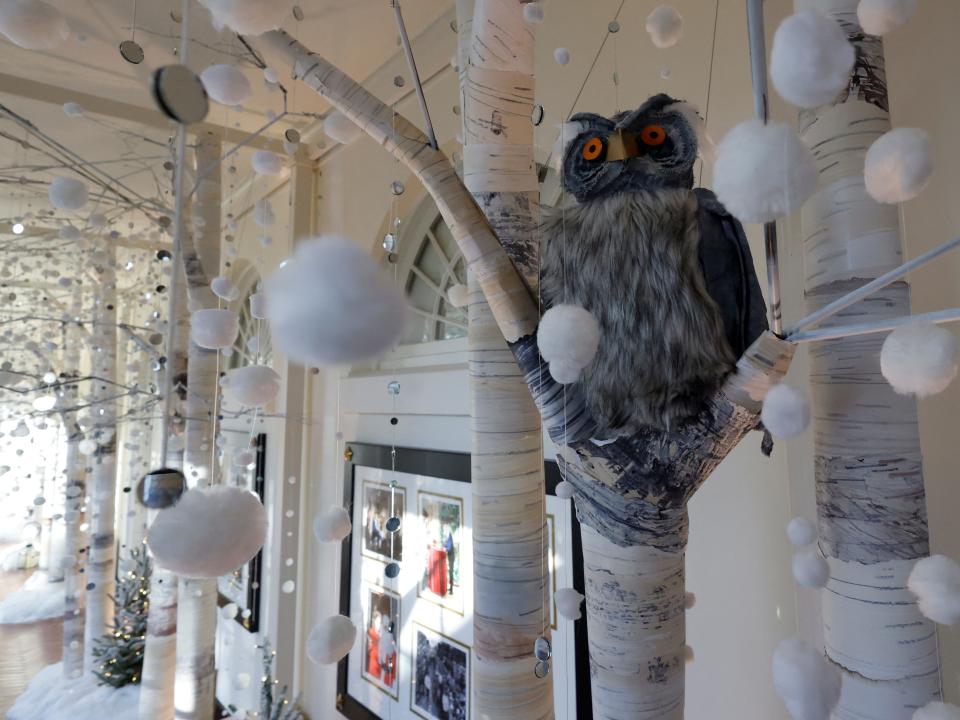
x: 133, y: 29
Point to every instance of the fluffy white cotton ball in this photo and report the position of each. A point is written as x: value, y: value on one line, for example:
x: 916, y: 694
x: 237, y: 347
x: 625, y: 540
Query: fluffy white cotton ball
x: 665, y: 25
x: 87, y: 447
x: 810, y: 570
x: 69, y: 232
x: 919, y: 359
x: 331, y: 640
x: 568, y: 338
x: 213, y: 328
x: 936, y: 583
x: 263, y: 213
x: 226, y: 85
x: 331, y: 304
x: 72, y: 109
x: 811, y: 60
x: 808, y: 685
x: 898, y: 165
x: 229, y: 611
x: 763, y: 172
x: 937, y: 711
x: 879, y: 17
x: 568, y: 603
x: 258, y: 306
x: 333, y: 525
x: 248, y: 17
x: 265, y: 162
x: 223, y: 288
x: 801, y: 532
x: 565, y: 490
x: 271, y: 75
x: 786, y: 411
x: 32, y: 24
x: 459, y: 295
x: 211, y: 531
x: 561, y: 56
x: 340, y: 128
x: 533, y: 13
x: 251, y: 386
x: 68, y: 193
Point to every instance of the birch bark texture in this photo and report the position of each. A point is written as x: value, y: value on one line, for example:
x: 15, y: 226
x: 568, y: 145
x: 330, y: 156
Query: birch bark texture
x: 511, y: 593
x: 868, y: 467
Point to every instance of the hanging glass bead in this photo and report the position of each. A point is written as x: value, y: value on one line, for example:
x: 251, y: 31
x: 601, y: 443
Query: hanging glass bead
x: 390, y: 242
x: 392, y: 570
x: 397, y: 187
x: 393, y: 524
x: 393, y: 387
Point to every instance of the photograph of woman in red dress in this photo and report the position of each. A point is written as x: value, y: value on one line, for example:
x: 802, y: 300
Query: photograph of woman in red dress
x: 380, y: 642
x: 440, y: 521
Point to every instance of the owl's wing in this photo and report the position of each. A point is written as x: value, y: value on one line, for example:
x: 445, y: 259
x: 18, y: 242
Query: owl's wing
x: 729, y: 273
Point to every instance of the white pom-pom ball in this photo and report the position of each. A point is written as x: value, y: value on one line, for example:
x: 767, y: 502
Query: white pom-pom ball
x: 226, y: 85
x: 33, y: 24
x: 72, y: 109
x: 333, y: 525
x: 568, y: 603
x: 223, y: 288
x: 243, y: 457
x: 252, y: 386
x: 248, y: 17
x: 810, y: 570
x: 811, y: 60
x: 68, y: 193
x: 808, y: 685
x: 263, y: 213
x: 936, y: 583
x: 665, y: 25
x: 919, y: 359
x: 331, y: 304
x: 87, y: 447
x: 340, y: 128
x: 763, y: 172
x: 786, y: 411
x: 265, y: 162
x: 565, y: 490
x: 879, y: 17
x: 801, y: 532
x: 898, y: 165
x: 459, y: 295
x: 271, y: 75
x: 533, y: 13
x: 937, y: 711
x: 568, y: 338
x: 213, y: 328
x: 561, y: 56
x: 258, y: 306
x: 210, y: 532
x: 331, y: 640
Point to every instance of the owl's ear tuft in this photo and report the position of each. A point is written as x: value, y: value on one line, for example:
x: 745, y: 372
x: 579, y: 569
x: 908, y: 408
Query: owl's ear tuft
x: 705, y: 145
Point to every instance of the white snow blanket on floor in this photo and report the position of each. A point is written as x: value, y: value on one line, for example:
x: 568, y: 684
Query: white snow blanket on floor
x: 50, y: 696
x: 37, y: 600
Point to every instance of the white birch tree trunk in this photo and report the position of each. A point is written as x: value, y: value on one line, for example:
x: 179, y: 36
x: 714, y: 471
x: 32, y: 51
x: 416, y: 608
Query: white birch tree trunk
x: 868, y: 465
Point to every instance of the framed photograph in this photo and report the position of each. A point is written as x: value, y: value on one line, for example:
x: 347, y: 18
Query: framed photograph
x: 380, y: 656
x: 380, y: 503
x: 243, y: 464
x: 441, y: 519
x: 440, y: 677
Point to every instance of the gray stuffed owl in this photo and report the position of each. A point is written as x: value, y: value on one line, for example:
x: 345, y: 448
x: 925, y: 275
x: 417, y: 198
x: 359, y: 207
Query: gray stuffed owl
x: 665, y: 269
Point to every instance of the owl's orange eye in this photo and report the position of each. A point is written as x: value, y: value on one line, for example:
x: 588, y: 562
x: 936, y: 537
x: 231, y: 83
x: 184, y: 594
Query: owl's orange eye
x: 653, y: 135
x: 593, y: 149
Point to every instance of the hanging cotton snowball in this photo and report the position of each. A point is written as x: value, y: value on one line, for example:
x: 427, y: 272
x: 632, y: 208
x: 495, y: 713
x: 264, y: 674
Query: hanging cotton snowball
x: 898, y: 165
x: 270, y: 75
x: 265, y: 162
x: 263, y: 213
x: 72, y: 109
x: 87, y: 447
x: 243, y: 457
x: 32, y: 24
x: 879, y: 17
x: 565, y: 490
x: 936, y: 583
x: 806, y: 682
x: 333, y: 525
x: 331, y: 640
x: 689, y: 601
x: 340, y: 128
x: 224, y: 288
x: 561, y: 55
x: 458, y: 295
x: 568, y: 338
x: 937, y: 711
x: 248, y: 17
x: 214, y: 328
x: 251, y: 386
x: 919, y: 359
x: 226, y: 85
x: 568, y: 603
x: 801, y: 532
x: 210, y: 532
x: 533, y: 13
x: 258, y: 307
x: 786, y: 412
x: 67, y: 193
x: 811, y: 60
x: 330, y: 304
x: 229, y: 611
x: 810, y: 570
x: 763, y: 172
x: 665, y: 25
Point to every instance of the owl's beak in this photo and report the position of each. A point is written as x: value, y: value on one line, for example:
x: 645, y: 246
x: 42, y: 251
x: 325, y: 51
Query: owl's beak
x: 622, y: 145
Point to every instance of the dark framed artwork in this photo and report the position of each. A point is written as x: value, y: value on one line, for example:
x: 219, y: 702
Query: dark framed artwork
x: 414, y: 655
x: 242, y: 586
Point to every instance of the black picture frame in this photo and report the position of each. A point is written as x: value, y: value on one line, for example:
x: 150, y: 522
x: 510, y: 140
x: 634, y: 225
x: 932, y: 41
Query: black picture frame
x: 456, y: 467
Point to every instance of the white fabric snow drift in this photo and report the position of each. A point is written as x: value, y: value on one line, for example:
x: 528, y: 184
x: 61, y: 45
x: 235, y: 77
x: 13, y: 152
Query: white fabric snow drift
x: 38, y: 599
x: 51, y: 696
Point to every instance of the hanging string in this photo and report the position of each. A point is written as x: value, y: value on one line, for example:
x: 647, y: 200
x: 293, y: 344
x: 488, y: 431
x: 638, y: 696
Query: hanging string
x: 706, y: 109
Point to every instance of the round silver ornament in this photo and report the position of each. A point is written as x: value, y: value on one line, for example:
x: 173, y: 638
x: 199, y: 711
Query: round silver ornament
x: 161, y: 489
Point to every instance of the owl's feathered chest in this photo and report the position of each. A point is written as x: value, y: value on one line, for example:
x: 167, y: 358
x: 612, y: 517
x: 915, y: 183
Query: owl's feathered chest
x: 632, y: 260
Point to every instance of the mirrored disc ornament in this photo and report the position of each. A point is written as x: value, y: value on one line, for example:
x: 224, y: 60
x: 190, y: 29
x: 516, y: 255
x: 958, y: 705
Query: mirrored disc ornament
x: 393, y: 524
x: 390, y: 242
x: 161, y: 489
x: 180, y: 94
x: 541, y: 669
x: 392, y: 571
x: 131, y: 52
x: 397, y: 188
x: 393, y: 387
x: 542, y: 649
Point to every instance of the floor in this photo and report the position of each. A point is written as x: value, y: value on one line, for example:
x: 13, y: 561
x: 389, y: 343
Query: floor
x: 26, y: 649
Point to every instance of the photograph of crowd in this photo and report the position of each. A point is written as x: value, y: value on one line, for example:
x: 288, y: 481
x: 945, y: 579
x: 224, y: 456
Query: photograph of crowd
x: 441, y: 674
x: 379, y: 505
x: 380, y: 640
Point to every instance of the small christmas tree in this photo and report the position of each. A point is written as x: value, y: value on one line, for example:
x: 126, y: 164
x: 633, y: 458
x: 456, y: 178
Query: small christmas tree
x: 119, y: 655
x: 279, y: 707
